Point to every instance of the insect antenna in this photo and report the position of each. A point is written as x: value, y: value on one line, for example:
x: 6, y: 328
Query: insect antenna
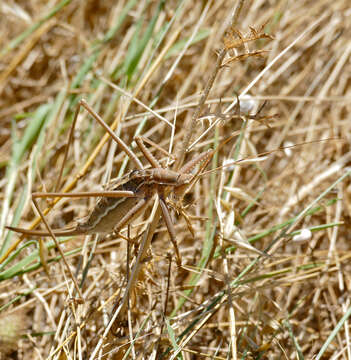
x: 262, y: 156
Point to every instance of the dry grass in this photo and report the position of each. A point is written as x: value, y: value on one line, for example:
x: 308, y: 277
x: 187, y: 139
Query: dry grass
x: 226, y: 301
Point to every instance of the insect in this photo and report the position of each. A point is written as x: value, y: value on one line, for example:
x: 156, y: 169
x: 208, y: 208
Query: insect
x: 125, y: 199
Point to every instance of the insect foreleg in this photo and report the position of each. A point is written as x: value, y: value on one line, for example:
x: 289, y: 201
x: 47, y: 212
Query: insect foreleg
x: 119, y: 141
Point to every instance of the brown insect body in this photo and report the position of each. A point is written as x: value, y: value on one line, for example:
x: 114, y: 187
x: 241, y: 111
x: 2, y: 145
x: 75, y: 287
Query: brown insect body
x: 111, y: 214
x: 106, y: 214
x: 124, y: 199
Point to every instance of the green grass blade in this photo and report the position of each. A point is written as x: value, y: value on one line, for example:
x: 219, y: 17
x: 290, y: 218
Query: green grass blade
x: 294, y: 340
x: 18, y: 40
x: 138, y: 44
x: 24, y: 265
x: 172, y: 337
x: 178, y: 46
x: 17, y: 252
x: 16, y: 217
x: 35, y: 132
x: 96, y: 48
x: 15, y: 299
x: 139, y: 332
x: 124, y: 13
x: 19, y: 148
x: 333, y: 334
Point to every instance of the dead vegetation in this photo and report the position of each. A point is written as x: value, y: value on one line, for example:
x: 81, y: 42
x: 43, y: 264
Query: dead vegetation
x: 263, y: 232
